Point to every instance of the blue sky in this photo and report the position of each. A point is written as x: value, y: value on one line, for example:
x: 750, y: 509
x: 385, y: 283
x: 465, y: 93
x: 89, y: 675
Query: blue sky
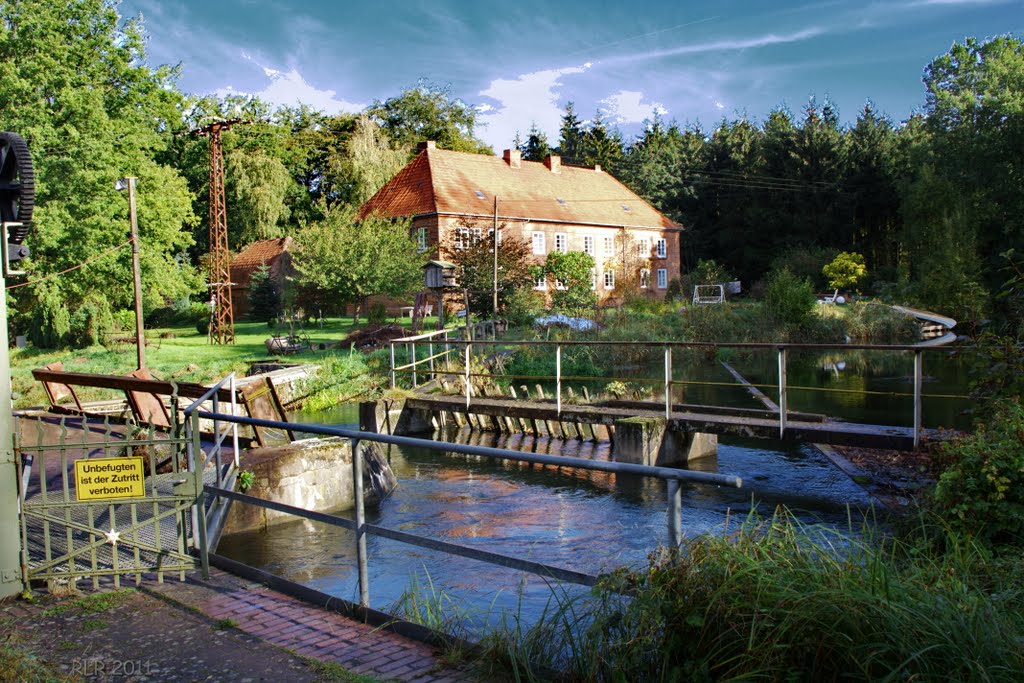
x: 521, y: 61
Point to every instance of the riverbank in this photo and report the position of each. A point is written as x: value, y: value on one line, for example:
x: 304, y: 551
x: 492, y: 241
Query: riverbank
x: 221, y: 629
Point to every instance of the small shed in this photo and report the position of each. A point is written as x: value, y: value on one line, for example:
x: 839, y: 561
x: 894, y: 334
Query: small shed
x: 439, y: 275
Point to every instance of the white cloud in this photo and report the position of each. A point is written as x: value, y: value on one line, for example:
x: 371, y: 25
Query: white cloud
x: 726, y: 45
x: 528, y: 99
x: 627, y: 106
x: 290, y: 88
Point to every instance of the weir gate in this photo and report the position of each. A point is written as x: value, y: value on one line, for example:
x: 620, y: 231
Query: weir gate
x: 468, y: 382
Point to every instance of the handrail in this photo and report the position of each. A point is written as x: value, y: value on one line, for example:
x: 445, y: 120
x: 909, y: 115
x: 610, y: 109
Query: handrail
x: 672, y: 476
x: 782, y: 349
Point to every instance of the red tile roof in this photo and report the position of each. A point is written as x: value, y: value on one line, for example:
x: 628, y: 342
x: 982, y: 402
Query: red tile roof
x: 253, y: 256
x: 441, y: 181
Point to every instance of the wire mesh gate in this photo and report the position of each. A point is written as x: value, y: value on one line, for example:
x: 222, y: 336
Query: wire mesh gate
x: 66, y: 537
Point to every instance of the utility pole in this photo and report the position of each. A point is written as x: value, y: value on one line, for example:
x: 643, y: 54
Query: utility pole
x: 222, y: 319
x: 494, y: 239
x: 140, y: 333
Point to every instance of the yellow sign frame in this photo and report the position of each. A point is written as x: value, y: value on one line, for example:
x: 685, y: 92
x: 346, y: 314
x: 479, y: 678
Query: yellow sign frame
x: 110, y: 478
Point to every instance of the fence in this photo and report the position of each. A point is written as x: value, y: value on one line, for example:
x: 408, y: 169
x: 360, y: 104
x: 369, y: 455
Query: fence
x: 417, y: 367
x: 673, y: 478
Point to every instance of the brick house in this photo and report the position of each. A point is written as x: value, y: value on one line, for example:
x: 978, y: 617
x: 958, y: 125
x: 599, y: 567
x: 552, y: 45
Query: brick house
x: 450, y: 197
x: 275, y: 253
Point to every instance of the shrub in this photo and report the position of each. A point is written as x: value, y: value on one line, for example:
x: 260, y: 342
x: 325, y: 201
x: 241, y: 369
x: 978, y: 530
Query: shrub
x: 981, y: 490
x: 377, y: 314
x: 125, y: 319
x: 806, y: 264
x: 523, y: 305
x: 51, y: 322
x: 203, y: 325
x: 879, y: 324
x: 788, y: 299
x: 264, y: 295
x: 91, y: 322
x: 676, y: 290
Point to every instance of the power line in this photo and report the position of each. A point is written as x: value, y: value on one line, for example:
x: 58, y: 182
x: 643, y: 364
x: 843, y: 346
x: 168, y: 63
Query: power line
x: 75, y: 267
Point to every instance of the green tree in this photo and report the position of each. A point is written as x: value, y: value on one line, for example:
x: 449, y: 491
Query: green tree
x: 536, y: 147
x: 429, y: 112
x: 264, y: 295
x: 75, y: 82
x: 256, y: 186
x: 365, y: 163
x: 475, y: 260
x: 845, y: 270
x: 570, y: 142
x: 357, y: 259
x: 571, y: 271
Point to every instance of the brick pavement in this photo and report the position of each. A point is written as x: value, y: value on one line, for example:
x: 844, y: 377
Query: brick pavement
x: 309, y: 630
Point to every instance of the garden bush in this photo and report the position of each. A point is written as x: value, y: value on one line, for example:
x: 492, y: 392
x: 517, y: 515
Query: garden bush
x: 788, y: 299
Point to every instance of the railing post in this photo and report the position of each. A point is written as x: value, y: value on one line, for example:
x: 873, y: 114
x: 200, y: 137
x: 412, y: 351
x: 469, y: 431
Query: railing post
x: 193, y: 451
x: 392, y: 344
x: 675, y: 517
x: 357, y: 485
x: 467, y: 373
x: 558, y: 379
x: 782, y: 391
x: 430, y: 355
x: 234, y: 411
x: 668, y: 382
x: 918, y: 405
x: 216, y: 441
x: 411, y: 346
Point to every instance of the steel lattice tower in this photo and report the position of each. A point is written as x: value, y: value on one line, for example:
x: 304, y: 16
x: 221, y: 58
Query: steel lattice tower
x: 222, y: 318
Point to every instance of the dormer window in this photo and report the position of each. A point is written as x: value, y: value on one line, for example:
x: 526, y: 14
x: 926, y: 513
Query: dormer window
x: 625, y: 207
x: 560, y: 201
x: 480, y: 194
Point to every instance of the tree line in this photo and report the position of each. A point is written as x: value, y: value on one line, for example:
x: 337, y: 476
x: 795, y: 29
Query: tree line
x: 933, y: 202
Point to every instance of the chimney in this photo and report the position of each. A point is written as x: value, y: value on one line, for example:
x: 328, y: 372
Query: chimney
x: 427, y: 144
x: 554, y: 163
x: 513, y: 157
x: 597, y: 168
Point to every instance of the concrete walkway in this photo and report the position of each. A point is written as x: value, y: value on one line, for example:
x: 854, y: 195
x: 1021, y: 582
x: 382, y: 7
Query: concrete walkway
x: 221, y: 629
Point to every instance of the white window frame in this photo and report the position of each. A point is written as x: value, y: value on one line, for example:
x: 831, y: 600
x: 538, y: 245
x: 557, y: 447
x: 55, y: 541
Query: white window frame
x: 421, y: 239
x: 539, y: 241
x: 589, y: 245
x: 541, y: 283
x: 559, y: 284
x: 645, y: 278
x: 462, y: 237
x: 562, y: 242
x: 608, y: 246
x: 661, y: 247
x: 501, y: 234
x: 643, y: 247
x: 662, y: 278
x: 609, y: 279
x: 593, y: 278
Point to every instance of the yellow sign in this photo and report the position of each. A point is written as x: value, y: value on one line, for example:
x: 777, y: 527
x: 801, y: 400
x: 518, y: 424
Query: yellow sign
x: 106, y: 478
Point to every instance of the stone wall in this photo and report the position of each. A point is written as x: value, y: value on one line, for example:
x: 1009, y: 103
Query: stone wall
x: 314, y: 474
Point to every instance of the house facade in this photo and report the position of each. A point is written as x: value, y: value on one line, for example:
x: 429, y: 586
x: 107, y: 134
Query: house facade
x: 276, y: 254
x: 454, y: 198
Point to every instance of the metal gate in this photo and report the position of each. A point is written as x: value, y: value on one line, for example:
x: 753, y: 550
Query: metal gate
x: 144, y: 526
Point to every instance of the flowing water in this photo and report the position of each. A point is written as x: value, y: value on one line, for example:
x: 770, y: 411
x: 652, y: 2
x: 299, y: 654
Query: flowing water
x: 586, y: 521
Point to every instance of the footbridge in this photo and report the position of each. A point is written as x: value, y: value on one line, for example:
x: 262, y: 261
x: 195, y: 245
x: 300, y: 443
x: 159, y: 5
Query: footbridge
x: 469, y: 382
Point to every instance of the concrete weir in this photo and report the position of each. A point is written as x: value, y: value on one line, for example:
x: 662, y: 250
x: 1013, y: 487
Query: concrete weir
x: 315, y: 474
x: 637, y: 439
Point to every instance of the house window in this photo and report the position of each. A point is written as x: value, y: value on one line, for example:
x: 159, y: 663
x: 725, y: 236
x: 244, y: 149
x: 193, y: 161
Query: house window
x: 588, y: 245
x: 467, y: 237
x: 421, y: 239
x: 662, y: 278
x: 501, y: 235
x: 541, y: 282
x: 559, y: 284
x: 661, y: 248
x: 593, y: 278
x: 538, y: 243
x: 645, y: 278
x: 561, y: 242
x: 643, y: 247
x: 609, y: 279
x: 609, y: 246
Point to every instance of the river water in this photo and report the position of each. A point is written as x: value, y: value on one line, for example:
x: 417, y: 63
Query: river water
x: 585, y: 521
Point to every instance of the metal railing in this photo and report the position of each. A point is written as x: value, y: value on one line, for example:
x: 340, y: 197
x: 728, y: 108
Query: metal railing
x: 673, y: 477
x: 667, y: 381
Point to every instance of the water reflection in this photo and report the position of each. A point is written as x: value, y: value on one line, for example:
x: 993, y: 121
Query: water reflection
x: 583, y: 520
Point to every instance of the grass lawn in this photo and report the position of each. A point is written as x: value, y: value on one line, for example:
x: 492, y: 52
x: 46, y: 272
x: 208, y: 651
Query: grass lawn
x: 175, y: 353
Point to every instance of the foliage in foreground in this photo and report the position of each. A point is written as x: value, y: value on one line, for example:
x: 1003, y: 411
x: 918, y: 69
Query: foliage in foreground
x: 981, y: 491
x: 781, y: 602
